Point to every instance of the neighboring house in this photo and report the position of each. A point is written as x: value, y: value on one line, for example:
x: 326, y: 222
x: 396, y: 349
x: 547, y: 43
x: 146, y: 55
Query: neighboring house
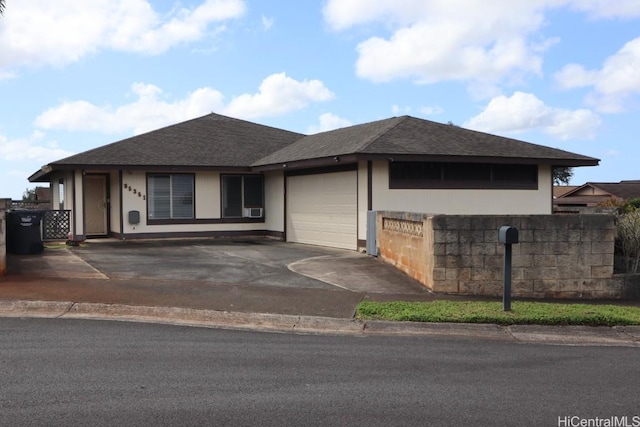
x: 219, y: 176
x: 39, y: 199
x: 560, y: 190
x: 594, y: 194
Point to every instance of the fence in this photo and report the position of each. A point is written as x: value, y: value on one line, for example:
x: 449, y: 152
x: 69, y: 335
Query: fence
x: 559, y: 256
x: 56, y: 225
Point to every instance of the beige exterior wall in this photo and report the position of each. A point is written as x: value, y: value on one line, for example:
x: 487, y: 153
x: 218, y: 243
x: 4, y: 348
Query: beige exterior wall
x: 207, y: 206
x: 55, y: 193
x: 75, y: 180
x: 132, y: 201
x: 208, y: 195
x: 208, y: 199
x: 462, y: 202
x: 274, y: 201
x: 363, y: 199
x: 114, y: 199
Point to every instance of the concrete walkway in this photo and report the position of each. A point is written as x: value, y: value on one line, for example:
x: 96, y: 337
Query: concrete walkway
x: 261, y: 285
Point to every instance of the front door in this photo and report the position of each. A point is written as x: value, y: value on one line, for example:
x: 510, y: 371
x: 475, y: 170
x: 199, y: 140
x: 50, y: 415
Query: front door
x: 95, y: 205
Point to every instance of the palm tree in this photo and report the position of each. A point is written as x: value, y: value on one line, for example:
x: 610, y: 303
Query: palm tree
x: 1, y: 6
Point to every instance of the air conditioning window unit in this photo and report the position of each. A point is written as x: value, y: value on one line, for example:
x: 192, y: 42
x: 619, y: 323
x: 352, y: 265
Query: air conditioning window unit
x: 253, y: 212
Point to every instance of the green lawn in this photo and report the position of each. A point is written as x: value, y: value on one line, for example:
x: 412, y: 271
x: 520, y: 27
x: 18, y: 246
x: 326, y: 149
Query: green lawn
x: 522, y: 313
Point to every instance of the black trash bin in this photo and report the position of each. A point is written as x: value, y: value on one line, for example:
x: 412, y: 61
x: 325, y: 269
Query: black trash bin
x: 23, y: 232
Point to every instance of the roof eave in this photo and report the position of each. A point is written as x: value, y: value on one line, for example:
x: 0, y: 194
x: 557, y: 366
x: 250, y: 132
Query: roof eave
x: 325, y: 161
x: 44, y: 174
x: 587, y: 161
x: 307, y: 163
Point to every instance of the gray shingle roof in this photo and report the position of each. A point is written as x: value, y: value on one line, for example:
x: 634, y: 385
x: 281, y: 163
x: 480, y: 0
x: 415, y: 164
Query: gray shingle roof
x: 412, y: 136
x: 209, y: 141
x: 216, y: 141
x: 623, y: 189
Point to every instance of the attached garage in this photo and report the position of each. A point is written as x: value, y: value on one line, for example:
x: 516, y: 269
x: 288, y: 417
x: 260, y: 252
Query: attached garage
x: 322, y: 209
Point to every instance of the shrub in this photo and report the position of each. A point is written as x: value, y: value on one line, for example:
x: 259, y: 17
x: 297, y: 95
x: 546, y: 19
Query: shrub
x: 629, y: 237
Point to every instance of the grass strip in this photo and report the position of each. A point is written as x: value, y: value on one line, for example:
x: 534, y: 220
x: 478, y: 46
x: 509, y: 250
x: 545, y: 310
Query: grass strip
x: 522, y: 313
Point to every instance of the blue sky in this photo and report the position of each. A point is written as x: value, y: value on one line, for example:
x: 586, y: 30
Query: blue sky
x: 77, y: 74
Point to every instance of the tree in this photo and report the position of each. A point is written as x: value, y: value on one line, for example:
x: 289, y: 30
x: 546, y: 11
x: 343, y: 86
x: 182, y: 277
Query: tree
x: 562, y: 175
x: 29, y: 194
x: 1, y: 7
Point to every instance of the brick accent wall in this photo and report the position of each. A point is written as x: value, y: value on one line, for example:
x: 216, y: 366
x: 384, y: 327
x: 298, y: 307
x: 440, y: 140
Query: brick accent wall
x: 559, y: 256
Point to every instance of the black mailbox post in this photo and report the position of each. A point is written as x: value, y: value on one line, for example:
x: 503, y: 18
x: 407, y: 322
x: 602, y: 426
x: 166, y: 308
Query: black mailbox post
x: 507, y: 235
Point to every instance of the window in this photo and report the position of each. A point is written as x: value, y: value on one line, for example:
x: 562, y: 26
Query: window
x: 240, y: 192
x: 170, y: 196
x: 404, y: 175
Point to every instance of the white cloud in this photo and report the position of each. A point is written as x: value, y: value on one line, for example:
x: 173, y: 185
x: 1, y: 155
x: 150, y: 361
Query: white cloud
x: 33, y: 148
x: 613, y: 84
x: 149, y: 111
x: 431, y: 110
x: 278, y: 94
x: 343, y: 14
x: 267, y: 23
x: 524, y: 112
x: 434, y: 41
x: 328, y: 121
x: 37, y: 32
x: 608, y: 8
x: 397, y: 110
x: 482, y: 43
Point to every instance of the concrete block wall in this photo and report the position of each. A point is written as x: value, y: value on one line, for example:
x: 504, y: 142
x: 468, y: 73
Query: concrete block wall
x: 406, y: 240
x: 559, y: 256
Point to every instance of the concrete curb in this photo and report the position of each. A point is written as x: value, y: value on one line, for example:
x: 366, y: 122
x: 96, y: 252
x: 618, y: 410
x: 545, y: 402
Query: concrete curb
x: 267, y: 322
x: 25, y: 308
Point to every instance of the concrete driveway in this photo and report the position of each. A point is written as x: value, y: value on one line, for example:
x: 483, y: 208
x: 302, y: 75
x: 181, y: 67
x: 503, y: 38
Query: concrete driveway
x: 260, y: 276
x: 233, y: 262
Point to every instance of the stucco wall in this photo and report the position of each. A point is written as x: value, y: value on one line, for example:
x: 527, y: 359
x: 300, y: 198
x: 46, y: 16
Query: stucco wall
x: 207, y: 206
x: 362, y: 200
x: 462, y: 202
x: 558, y: 256
x: 274, y: 201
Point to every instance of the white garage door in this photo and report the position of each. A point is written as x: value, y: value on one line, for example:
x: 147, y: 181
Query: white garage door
x: 322, y: 209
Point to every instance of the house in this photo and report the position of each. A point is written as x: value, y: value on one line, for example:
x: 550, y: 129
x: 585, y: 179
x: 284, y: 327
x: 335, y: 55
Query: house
x: 220, y: 176
x: 560, y: 190
x: 594, y: 194
x: 38, y: 198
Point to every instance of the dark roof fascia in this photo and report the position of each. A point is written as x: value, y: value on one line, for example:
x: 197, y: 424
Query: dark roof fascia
x: 480, y: 159
x: 41, y: 176
x: 310, y: 163
x: 44, y: 174
x: 426, y: 158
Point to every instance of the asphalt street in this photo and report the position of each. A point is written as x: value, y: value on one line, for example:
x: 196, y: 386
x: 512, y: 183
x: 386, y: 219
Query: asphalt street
x: 78, y: 372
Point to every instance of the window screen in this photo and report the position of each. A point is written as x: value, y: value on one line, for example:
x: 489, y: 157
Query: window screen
x: 170, y: 196
x: 240, y: 192
x: 232, y: 196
